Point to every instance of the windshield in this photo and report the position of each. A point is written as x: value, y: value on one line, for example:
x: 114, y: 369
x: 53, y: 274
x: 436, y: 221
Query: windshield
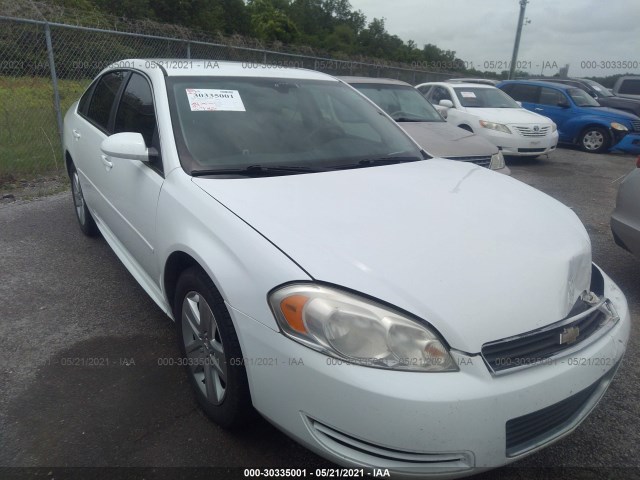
x: 473, y: 97
x: 582, y: 98
x: 602, y: 90
x: 401, y: 102
x: 279, y: 125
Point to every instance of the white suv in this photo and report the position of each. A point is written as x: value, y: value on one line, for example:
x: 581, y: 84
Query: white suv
x: 489, y: 112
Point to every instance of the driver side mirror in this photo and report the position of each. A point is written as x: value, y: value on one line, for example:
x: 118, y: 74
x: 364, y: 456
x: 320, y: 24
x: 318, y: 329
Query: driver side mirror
x: 446, y: 103
x: 563, y: 104
x: 127, y: 145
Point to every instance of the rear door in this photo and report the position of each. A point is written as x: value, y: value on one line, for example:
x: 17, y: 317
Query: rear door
x: 95, y: 111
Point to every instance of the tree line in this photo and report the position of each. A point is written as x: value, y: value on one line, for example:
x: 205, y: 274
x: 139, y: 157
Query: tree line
x: 331, y: 26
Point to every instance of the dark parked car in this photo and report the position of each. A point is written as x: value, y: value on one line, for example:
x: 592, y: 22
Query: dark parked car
x: 600, y: 93
x: 581, y: 120
x: 628, y: 86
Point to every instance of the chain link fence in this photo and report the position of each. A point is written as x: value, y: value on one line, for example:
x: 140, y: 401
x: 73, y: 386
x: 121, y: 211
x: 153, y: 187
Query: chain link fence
x: 45, y: 67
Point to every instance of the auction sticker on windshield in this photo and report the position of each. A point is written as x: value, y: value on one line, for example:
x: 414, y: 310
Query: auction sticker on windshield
x: 468, y: 94
x: 209, y: 100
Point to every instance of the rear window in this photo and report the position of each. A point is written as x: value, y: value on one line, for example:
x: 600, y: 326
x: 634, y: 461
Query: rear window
x: 630, y: 86
x: 522, y: 93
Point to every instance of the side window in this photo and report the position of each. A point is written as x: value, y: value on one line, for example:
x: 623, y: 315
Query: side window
x: 439, y: 93
x: 103, y: 96
x: 135, y: 112
x: 83, y: 104
x: 549, y: 96
x: 424, y: 90
x: 523, y: 93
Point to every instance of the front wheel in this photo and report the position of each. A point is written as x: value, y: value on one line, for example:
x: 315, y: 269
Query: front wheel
x: 85, y: 220
x: 211, y: 350
x: 595, y: 140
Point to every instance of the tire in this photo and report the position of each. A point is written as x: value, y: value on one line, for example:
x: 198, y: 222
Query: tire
x: 85, y: 220
x: 594, y: 140
x: 211, y: 351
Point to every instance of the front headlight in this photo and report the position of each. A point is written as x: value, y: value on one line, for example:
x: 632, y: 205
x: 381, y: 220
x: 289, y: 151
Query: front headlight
x: 497, y: 161
x: 619, y: 126
x: 494, y: 126
x: 358, y: 330
x: 554, y: 127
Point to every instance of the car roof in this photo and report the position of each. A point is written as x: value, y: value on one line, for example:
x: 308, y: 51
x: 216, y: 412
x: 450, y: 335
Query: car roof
x: 538, y: 83
x: 373, y: 80
x: 481, y: 81
x: 180, y: 67
x: 458, y: 85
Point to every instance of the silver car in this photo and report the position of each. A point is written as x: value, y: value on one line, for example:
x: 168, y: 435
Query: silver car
x: 625, y: 219
x: 419, y: 118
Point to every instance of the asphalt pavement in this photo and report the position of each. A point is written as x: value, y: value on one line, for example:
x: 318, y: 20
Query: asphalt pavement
x: 80, y: 343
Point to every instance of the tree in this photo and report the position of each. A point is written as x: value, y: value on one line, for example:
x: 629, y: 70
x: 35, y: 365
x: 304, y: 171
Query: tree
x: 270, y: 23
x: 236, y: 17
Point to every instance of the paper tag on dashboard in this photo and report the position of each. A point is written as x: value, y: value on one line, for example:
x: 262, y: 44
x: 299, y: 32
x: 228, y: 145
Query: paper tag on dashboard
x: 468, y: 94
x: 209, y: 100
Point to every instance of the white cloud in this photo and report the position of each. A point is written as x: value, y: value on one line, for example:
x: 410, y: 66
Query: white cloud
x: 570, y: 31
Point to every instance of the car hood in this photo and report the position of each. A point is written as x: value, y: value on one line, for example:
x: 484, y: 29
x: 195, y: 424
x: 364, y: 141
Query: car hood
x: 509, y: 115
x: 479, y: 255
x: 441, y: 139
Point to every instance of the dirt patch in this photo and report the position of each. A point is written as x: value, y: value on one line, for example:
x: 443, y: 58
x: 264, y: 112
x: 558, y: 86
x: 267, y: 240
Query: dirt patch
x: 14, y: 189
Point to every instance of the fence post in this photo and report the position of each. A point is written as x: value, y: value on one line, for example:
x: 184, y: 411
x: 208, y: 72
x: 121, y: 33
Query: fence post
x: 188, y: 50
x: 54, y: 82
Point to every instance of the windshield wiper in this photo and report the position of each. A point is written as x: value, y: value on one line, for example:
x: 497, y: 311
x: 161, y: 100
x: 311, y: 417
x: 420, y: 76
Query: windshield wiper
x: 372, y: 162
x: 407, y: 119
x: 258, y: 171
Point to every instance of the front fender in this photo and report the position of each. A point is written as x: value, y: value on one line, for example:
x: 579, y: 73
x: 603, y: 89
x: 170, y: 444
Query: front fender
x: 242, y: 264
x: 576, y: 125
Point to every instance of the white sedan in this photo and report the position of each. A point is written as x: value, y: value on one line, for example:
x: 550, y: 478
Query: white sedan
x: 384, y: 309
x: 491, y: 113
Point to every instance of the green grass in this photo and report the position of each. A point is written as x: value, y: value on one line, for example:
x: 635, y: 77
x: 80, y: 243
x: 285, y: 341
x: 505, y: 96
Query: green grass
x: 29, y: 137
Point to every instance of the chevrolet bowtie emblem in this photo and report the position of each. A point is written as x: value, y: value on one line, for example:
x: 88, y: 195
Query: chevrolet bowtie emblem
x: 569, y: 335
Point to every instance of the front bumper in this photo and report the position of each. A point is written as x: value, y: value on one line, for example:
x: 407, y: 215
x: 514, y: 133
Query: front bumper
x: 515, y: 144
x: 440, y: 424
x: 630, y: 143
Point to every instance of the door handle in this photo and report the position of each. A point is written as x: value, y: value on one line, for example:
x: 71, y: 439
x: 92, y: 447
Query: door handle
x: 108, y: 164
x: 540, y: 109
x: 76, y: 134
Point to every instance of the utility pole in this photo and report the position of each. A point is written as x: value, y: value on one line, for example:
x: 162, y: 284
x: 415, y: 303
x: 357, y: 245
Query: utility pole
x: 516, y: 45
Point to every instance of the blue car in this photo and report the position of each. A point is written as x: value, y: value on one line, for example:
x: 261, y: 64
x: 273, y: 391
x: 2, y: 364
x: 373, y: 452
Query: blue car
x: 580, y: 119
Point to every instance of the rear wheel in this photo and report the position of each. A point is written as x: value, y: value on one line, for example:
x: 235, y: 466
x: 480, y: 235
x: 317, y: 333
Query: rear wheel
x: 211, y: 350
x: 594, y: 140
x: 85, y: 220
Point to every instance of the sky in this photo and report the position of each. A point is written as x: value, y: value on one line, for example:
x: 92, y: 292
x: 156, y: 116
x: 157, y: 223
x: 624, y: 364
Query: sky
x: 593, y: 36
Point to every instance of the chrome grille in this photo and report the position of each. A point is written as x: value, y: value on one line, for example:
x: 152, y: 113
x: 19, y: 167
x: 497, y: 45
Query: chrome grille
x: 537, y: 346
x: 532, y: 131
x: 483, y: 161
